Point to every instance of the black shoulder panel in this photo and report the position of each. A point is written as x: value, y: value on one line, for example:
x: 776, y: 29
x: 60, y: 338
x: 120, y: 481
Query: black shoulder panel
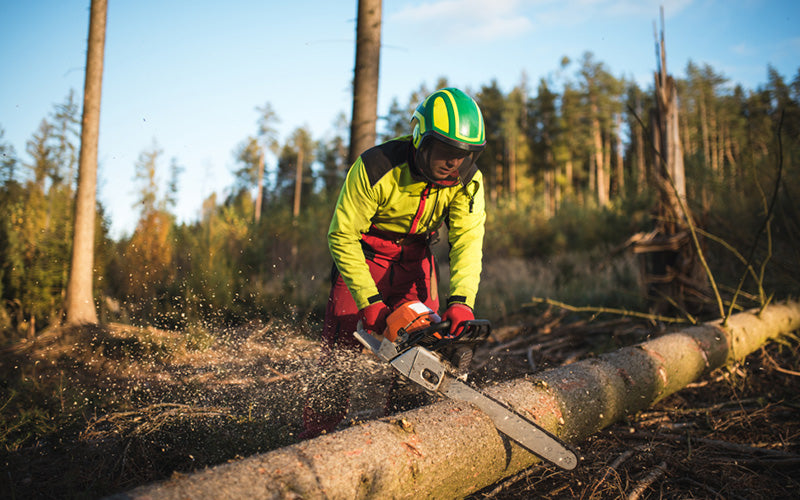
x: 381, y: 159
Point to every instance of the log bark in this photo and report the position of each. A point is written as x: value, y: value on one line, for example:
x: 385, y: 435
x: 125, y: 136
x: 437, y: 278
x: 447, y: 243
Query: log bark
x: 449, y: 449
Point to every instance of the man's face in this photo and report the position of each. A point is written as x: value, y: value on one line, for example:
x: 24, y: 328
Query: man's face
x: 445, y: 160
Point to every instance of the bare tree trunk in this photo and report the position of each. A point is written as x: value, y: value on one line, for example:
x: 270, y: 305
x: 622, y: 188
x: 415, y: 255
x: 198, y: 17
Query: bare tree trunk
x: 735, y: 180
x: 675, y: 276
x: 641, y: 164
x: 704, y: 130
x: 688, y: 141
x: 365, y: 80
x: 549, y: 195
x: 601, y: 178
x: 620, y: 161
x: 298, y: 183
x: 671, y: 150
x: 550, y: 184
x: 568, y: 177
x: 501, y: 176
x: 607, y: 145
x: 260, y: 189
x: 558, y: 193
x: 512, y: 167
x: 715, y: 157
x: 419, y: 453
x: 79, y: 302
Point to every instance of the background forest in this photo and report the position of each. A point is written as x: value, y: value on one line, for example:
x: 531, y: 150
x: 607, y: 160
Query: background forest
x: 568, y: 167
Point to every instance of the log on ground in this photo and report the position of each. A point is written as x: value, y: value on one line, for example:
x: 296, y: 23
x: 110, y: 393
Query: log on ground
x: 450, y: 449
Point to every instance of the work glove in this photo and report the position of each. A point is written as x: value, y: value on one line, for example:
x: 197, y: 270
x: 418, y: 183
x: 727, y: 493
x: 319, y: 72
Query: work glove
x: 457, y: 314
x: 373, y: 317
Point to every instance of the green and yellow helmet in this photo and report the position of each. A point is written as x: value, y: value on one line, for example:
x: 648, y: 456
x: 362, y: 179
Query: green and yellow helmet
x: 454, y: 118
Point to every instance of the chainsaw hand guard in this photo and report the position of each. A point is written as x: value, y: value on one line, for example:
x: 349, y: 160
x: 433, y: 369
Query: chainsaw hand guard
x: 436, y: 335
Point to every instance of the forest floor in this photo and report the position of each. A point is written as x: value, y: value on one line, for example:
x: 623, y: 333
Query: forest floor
x: 92, y: 411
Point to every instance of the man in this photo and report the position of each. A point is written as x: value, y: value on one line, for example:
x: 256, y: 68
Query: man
x: 394, y: 200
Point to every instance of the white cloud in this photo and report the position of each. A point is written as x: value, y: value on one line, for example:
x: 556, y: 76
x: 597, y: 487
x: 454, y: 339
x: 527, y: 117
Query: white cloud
x: 743, y: 49
x: 575, y: 12
x: 453, y: 20
x: 490, y: 20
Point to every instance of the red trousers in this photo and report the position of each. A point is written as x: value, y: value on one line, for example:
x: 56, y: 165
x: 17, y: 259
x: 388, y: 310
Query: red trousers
x: 403, y: 271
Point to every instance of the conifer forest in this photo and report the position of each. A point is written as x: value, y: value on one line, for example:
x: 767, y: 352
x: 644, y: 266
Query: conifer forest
x: 568, y: 166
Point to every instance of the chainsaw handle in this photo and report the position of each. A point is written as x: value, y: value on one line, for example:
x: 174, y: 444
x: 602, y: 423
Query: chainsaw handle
x: 475, y: 330
x: 428, y: 334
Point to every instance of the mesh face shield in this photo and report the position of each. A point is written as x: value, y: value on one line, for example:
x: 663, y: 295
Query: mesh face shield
x: 445, y: 164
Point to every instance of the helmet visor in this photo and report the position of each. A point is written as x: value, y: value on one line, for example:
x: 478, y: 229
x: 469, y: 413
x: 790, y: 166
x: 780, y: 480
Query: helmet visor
x: 445, y: 165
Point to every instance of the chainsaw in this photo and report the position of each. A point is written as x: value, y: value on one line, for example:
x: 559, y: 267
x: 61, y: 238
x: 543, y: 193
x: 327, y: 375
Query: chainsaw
x: 418, y: 345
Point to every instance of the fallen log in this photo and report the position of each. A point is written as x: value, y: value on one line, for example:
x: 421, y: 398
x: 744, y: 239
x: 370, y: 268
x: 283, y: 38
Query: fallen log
x: 450, y: 449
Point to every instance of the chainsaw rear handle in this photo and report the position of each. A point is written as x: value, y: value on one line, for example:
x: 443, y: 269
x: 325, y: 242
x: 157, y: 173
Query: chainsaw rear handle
x: 436, y: 335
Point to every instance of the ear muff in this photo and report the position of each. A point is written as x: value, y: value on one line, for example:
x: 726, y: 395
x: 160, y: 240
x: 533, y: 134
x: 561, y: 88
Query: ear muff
x: 416, y: 136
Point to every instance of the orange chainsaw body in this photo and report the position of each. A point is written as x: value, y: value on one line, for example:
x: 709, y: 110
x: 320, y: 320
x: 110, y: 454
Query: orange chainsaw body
x: 408, y: 318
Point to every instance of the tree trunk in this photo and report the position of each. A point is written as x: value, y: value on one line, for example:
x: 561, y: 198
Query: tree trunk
x: 641, y: 165
x: 607, y: 145
x: 568, y: 178
x: 365, y: 80
x: 449, y: 449
x: 620, y: 161
x: 731, y: 159
x: 549, y: 193
x: 79, y: 302
x: 260, y: 188
x: 298, y: 183
x: 704, y: 131
x: 714, y: 143
x: 600, y: 168
x: 512, y: 167
x: 675, y: 276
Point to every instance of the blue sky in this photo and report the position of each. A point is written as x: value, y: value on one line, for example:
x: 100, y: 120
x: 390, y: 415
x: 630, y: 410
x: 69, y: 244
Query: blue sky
x: 188, y: 76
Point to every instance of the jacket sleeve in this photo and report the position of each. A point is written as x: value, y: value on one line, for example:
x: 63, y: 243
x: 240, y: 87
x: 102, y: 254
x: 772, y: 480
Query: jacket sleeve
x: 466, y: 230
x: 357, y: 203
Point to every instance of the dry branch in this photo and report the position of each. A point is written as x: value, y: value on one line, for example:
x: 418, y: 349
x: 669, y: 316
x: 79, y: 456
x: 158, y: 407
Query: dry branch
x: 612, y: 469
x: 744, y: 449
x: 659, y: 471
x: 449, y: 449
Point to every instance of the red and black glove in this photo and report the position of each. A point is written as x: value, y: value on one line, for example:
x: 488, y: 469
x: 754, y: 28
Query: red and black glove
x: 457, y: 314
x: 373, y: 317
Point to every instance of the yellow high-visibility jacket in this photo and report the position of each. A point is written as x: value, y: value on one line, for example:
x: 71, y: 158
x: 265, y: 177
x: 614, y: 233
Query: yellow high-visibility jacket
x: 381, y: 189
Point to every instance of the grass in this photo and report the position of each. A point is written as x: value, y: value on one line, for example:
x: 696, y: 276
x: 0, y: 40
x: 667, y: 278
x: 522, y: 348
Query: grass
x: 579, y: 278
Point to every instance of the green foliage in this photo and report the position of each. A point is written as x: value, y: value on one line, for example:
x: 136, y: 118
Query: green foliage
x: 36, y: 232
x: 225, y: 269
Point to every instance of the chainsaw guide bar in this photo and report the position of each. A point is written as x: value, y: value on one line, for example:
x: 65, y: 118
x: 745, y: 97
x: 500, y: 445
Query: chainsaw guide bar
x: 425, y: 367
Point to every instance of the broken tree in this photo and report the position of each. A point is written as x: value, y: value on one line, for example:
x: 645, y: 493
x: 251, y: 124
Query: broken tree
x: 671, y: 264
x: 449, y: 450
